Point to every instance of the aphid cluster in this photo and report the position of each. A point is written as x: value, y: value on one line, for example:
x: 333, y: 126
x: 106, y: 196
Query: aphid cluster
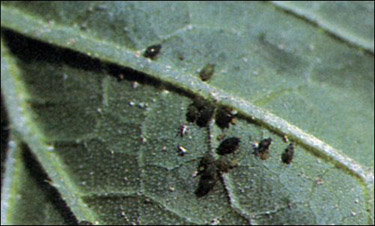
x: 206, y: 73
x: 228, y: 146
x: 288, y: 154
x: 263, y: 149
x: 200, y: 112
x: 152, y: 51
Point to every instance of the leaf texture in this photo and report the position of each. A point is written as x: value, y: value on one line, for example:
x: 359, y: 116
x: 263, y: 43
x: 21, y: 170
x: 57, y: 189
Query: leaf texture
x: 103, y: 120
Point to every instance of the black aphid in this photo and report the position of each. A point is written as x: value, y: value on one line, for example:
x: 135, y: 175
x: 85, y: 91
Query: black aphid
x: 223, y: 117
x: 192, y: 113
x: 288, y: 154
x: 205, y: 115
x: 228, y: 146
x: 205, y: 161
x: 225, y: 165
x: 207, y: 72
x: 200, y: 112
x: 263, y: 149
x: 207, y: 181
x: 152, y: 51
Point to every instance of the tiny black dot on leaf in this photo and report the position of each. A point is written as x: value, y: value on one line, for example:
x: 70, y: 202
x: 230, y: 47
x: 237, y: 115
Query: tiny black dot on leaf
x: 207, y: 72
x: 288, y: 154
x: 152, y: 51
x: 263, y: 149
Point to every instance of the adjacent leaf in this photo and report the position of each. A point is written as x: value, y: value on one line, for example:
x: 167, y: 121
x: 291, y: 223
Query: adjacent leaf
x: 106, y: 135
x: 4, y: 137
x: 340, y: 18
x: 27, y: 196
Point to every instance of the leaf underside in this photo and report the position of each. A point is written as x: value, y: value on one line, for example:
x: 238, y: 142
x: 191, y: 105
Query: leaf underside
x: 104, y: 128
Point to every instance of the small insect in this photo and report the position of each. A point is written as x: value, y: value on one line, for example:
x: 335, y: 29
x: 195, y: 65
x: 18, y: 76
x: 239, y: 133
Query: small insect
x: 200, y: 112
x: 207, y: 181
x: 207, y: 72
x: 223, y: 117
x: 120, y: 77
x: 263, y: 149
x: 220, y: 137
x: 181, y: 150
x: 225, y: 165
x: 152, y: 51
x: 234, y: 121
x: 192, y: 113
x: 285, y: 139
x: 182, y: 131
x: 288, y: 154
x: 205, y: 161
x: 228, y: 146
x: 205, y: 115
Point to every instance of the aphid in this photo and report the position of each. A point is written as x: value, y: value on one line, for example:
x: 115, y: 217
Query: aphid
x: 288, y: 154
x: 234, y: 121
x: 220, y: 137
x: 182, y: 131
x: 263, y: 149
x: 205, y: 161
x: 121, y: 77
x: 228, y: 146
x: 152, y: 51
x: 207, y: 72
x: 205, y: 115
x: 225, y: 165
x: 200, y: 112
x: 223, y: 117
x: 207, y: 181
x: 181, y: 150
x: 285, y: 139
x: 192, y: 113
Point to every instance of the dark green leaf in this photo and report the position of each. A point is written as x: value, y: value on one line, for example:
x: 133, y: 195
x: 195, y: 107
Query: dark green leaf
x: 106, y: 135
x: 28, y: 198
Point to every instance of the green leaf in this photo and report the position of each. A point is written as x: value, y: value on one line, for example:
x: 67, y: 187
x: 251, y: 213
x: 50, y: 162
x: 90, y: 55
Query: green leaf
x: 104, y: 128
x: 340, y: 18
x: 4, y: 136
x: 27, y: 196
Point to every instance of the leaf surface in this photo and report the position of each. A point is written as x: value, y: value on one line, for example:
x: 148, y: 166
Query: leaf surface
x: 27, y: 196
x: 109, y: 144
